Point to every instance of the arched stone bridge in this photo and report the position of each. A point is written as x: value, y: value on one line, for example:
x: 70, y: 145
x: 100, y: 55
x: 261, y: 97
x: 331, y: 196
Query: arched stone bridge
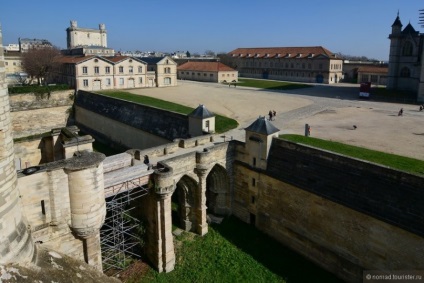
x: 198, y: 179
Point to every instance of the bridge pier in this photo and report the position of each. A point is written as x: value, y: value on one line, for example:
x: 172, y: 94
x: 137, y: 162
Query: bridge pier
x: 202, y: 225
x: 161, y: 245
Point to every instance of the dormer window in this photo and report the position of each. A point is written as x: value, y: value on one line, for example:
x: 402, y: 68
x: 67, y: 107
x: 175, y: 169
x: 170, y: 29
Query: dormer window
x: 288, y: 54
x: 299, y: 55
x: 278, y: 55
x: 311, y: 55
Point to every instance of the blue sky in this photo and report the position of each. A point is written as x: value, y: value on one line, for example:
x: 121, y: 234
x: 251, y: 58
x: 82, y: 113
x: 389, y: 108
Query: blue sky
x: 358, y: 27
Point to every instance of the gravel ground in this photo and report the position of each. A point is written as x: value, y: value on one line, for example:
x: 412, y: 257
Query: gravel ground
x: 331, y: 112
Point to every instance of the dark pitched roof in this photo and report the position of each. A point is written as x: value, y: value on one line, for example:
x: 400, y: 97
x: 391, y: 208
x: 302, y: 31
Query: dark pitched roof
x: 151, y: 60
x: 205, y: 66
x: 201, y: 112
x: 262, y: 126
x: 409, y: 30
x: 397, y: 21
x: 287, y: 52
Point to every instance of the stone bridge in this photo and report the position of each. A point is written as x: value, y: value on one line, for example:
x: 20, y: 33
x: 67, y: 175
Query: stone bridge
x: 198, y: 179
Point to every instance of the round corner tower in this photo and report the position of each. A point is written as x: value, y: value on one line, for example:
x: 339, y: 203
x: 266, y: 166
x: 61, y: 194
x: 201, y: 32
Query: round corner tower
x: 16, y: 244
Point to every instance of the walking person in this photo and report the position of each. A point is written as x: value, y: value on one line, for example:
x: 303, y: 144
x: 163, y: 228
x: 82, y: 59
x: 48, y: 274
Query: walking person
x: 274, y: 114
x: 400, y: 112
x: 270, y: 115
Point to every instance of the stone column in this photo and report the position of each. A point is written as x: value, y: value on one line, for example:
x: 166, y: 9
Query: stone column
x: 201, y: 223
x: 15, y: 241
x: 161, y: 246
x: 87, y: 202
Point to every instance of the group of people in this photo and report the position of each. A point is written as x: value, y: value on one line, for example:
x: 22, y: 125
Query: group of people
x: 272, y: 114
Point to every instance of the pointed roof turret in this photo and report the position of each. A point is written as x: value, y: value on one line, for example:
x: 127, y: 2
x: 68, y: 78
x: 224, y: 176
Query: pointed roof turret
x: 397, y: 21
x: 409, y: 29
x: 201, y: 112
x: 262, y: 126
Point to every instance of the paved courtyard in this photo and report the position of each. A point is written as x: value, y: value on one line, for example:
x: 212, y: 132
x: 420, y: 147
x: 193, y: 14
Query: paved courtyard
x: 331, y: 112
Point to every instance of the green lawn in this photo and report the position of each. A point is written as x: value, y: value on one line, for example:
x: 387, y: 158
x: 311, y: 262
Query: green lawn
x: 222, y: 124
x: 406, y: 164
x: 273, y: 85
x: 234, y: 251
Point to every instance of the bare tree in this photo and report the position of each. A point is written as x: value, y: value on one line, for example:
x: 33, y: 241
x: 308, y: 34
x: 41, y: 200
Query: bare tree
x: 210, y: 53
x: 39, y: 63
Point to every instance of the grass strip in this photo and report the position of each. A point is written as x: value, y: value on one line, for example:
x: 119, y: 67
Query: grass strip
x: 272, y: 85
x: 222, y: 124
x: 407, y: 164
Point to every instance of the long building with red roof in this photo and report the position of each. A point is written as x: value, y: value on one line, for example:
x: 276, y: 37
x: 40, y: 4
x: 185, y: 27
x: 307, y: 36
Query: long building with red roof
x: 301, y: 64
x: 207, y: 72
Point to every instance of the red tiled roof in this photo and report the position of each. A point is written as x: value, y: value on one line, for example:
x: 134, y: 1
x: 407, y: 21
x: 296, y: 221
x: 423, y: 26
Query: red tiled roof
x: 73, y: 59
x: 204, y: 66
x: 117, y: 58
x: 373, y: 69
x: 294, y: 52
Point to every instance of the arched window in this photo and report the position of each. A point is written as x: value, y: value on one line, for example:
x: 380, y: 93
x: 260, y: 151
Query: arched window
x: 407, y: 49
x: 405, y: 72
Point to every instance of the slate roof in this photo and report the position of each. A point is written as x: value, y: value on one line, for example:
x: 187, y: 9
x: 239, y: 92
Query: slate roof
x: 151, y: 60
x: 201, y: 112
x: 262, y: 126
x: 204, y: 67
x: 282, y: 52
x: 409, y: 30
x: 397, y: 21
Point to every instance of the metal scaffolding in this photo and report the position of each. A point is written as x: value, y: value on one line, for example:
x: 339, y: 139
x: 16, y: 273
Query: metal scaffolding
x: 119, y: 235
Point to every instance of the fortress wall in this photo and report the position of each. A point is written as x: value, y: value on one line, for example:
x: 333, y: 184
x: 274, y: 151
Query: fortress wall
x: 335, y: 235
x: 28, y: 101
x: 150, y: 121
x: 106, y: 130
x: 28, y: 153
x: 37, y: 121
x: 392, y: 196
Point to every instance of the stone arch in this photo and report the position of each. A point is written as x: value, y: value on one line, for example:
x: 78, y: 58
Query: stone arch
x: 184, y: 198
x: 218, y: 191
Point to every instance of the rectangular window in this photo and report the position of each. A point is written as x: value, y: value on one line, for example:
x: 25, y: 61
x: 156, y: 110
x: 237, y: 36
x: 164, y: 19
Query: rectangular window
x: 253, y: 199
x: 108, y: 82
x: 84, y: 70
x: 254, y: 161
x: 96, y: 70
x: 121, y: 80
x: 107, y: 70
x: 121, y: 69
x: 211, y: 75
x: 253, y: 182
x: 85, y: 82
x: 320, y: 66
x: 131, y: 70
x: 141, y: 80
x: 140, y: 69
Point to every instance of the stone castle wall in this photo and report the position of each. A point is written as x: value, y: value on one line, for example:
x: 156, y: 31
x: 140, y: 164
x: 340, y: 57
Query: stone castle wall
x: 128, y: 124
x: 314, y: 202
x: 29, y: 101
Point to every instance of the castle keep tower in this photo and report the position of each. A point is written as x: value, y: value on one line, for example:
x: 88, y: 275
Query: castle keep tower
x: 78, y: 37
x: 15, y: 242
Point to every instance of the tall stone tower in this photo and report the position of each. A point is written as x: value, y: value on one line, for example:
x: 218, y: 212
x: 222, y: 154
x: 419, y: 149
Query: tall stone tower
x: 394, y: 53
x: 15, y: 242
x: 78, y: 37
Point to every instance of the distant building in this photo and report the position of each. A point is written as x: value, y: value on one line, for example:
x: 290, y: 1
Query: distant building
x: 12, y: 47
x: 207, y: 72
x: 373, y: 74
x: 119, y: 72
x: 28, y: 43
x: 301, y: 64
x: 351, y: 67
x: 406, y: 68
